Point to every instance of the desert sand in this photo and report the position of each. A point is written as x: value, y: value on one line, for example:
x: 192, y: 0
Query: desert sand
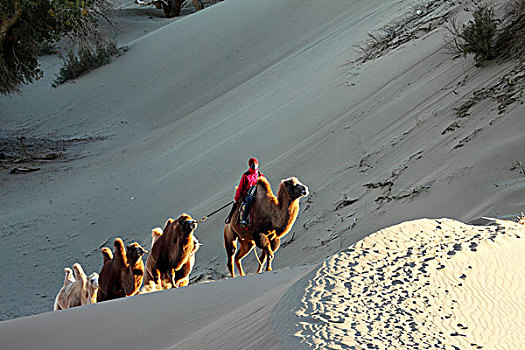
x: 381, y: 137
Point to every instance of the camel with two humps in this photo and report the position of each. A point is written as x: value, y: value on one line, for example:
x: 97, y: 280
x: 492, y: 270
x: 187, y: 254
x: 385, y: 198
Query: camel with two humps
x: 273, y: 217
x: 122, y: 272
x: 78, y: 289
x: 172, y: 253
x: 182, y: 276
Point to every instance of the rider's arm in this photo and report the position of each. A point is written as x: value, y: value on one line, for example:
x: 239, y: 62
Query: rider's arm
x: 240, y: 188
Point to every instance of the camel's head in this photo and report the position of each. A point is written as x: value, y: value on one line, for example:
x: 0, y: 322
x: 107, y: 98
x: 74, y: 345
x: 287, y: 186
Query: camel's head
x: 295, y: 188
x: 93, y: 281
x: 134, y: 252
x: 187, y: 224
x: 92, y: 288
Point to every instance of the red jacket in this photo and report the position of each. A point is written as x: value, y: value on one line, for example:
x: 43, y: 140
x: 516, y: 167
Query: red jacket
x: 248, y: 179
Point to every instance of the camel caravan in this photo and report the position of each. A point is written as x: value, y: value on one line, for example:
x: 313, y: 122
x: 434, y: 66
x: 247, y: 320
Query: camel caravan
x: 258, y: 218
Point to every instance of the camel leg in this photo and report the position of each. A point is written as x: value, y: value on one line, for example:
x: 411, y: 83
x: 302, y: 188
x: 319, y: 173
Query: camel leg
x: 165, y: 280
x: 184, y: 272
x: 262, y: 260
x: 274, y: 243
x: 245, y: 248
x: 171, y: 275
x: 101, y: 296
x: 263, y: 242
x: 230, y: 243
x: 184, y: 282
x: 156, y: 277
x: 57, y: 306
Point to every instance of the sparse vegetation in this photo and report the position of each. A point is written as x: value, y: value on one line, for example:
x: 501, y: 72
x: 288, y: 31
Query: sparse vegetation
x: 89, y: 46
x: 423, y: 17
x: 477, y: 37
x: 481, y: 37
x: 77, y: 64
x: 26, y: 24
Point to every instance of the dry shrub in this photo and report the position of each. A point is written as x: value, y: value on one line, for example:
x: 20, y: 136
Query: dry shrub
x: 77, y: 64
x: 476, y: 37
x: 90, y: 46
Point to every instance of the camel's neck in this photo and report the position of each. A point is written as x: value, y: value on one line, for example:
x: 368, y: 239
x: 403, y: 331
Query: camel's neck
x: 287, y: 213
x: 134, y: 264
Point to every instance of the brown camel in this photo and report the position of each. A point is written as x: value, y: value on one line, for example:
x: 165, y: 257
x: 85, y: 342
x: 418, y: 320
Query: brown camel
x: 172, y: 252
x: 182, y: 276
x: 78, y: 289
x: 273, y: 217
x: 122, y: 272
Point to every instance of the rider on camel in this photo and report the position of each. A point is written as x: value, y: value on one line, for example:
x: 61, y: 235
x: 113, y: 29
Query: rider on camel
x: 247, y: 189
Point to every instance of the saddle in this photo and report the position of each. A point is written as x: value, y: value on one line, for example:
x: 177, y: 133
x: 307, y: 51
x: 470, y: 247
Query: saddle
x: 241, y: 212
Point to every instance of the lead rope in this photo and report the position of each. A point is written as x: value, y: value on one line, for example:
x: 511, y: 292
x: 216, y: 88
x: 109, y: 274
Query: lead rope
x: 216, y: 211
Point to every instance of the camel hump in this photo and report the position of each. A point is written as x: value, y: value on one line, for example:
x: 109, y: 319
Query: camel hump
x: 119, y: 251
x: 262, y: 182
x: 155, y: 234
x: 68, y: 276
x: 118, y: 244
x: 78, y: 272
x: 107, y: 255
x: 264, y: 189
x: 168, y: 222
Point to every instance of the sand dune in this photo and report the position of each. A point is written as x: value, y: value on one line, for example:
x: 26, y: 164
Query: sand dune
x: 425, y: 284
x: 187, y: 318
x: 168, y: 127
